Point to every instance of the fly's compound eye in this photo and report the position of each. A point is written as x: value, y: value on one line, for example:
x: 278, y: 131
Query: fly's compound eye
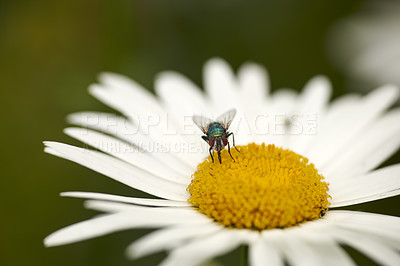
x: 211, y: 142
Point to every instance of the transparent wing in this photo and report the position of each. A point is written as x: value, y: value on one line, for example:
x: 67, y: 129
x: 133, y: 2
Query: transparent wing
x: 226, y: 118
x: 202, y: 122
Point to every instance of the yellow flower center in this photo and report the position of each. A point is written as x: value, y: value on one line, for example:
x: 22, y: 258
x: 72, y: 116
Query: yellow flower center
x: 266, y: 187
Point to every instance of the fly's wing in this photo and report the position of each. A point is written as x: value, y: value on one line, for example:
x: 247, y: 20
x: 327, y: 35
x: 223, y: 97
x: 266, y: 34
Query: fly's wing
x: 226, y: 118
x: 202, y: 122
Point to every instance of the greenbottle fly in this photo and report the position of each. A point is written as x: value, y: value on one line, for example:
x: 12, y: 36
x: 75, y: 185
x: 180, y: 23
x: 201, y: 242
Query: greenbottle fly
x: 216, y: 132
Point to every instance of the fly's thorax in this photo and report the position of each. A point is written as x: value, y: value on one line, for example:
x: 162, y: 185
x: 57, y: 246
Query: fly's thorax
x: 217, y: 136
x: 216, y: 130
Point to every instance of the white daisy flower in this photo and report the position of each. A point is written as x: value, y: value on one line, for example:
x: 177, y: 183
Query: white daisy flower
x: 272, y: 197
x: 366, y: 45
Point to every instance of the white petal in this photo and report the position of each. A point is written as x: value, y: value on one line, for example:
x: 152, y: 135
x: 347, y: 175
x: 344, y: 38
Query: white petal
x: 127, y: 153
x: 310, y: 107
x: 136, y: 217
x: 188, y: 213
x: 372, y: 197
x: 372, y: 186
x: 121, y: 171
x: 111, y: 124
x: 182, y: 99
x: 90, y: 228
x: 52, y: 152
x: 282, y: 102
x: 176, y: 91
x: 380, y: 253
x: 262, y: 253
x: 168, y: 238
x: 337, y: 112
x: 125, y: 130
x: 371, y: 148
x: 116, y: 101
x: 131, y: 92
x: 383, y: 226
x: 254, y: 88
x: 302, y: 251
x: 352, y: 126
x: 254, y: 82
x: 123, y: 199
x: 199, y: 251
x: 153, y: 117
x: 221, y: 85
x: 315, y: 95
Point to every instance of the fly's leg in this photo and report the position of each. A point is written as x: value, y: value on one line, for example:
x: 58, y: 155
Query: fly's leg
x: 219, y: 156
x: 229, y: 151
x: 233, y: 140
x: 212, y: 158
x: 205, y: 138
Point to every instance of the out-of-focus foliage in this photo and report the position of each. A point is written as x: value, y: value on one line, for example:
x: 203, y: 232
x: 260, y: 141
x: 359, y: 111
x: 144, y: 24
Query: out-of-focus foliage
x: 51, y: 51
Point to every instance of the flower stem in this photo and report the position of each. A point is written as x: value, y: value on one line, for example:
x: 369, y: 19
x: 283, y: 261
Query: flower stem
x: 245, y: 255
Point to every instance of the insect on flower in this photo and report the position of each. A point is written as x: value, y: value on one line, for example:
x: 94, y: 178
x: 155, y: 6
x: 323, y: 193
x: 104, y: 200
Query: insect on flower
x: 216, y: 132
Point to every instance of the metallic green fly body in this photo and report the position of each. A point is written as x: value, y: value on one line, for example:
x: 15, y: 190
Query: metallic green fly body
x: 216, y: 132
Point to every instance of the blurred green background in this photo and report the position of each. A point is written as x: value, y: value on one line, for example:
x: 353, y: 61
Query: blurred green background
x: 52, y: 50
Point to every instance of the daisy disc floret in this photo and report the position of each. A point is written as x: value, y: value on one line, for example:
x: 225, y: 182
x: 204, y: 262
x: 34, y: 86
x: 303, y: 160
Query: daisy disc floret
x: 265, y: 187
